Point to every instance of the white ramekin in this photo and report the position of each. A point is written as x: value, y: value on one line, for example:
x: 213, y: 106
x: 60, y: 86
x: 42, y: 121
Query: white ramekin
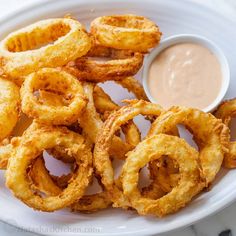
x: 190, y: 38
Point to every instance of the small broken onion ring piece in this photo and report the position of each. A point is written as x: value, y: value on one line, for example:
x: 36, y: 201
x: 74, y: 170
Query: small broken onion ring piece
x: 59, y: 82
x: 149, y: 150
x: 102, y: 101
x: 133, y: 85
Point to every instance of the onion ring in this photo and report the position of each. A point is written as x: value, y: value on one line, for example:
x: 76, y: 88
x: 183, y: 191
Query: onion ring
x: 133, y: 85
x: 210, y: 134
x: 151, y: 149
x: 104, y: 105
x: 6, y: 147
x: 53, y: 186
x: 9, y: 107
x: 101, y: 200
x: 225, y: 112
x: 5, y: 153
x: 130, y: 32
x: 39, y: 175
x: 91, y: 121
x: 23, y: 52
x: 9, y: 110
x: 34, y: 141
x: 58, y: 82
x: 103, y: 102
x: 102, y: 161
x: 120, y: 65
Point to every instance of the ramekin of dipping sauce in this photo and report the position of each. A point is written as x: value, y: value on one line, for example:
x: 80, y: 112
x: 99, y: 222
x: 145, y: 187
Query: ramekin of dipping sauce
x: 186, y: 70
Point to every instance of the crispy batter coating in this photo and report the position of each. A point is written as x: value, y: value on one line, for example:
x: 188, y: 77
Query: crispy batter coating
x: 24, y: 51
x: 9, y: 107
x: 53, y: 185
x: 133, y: 85
x: 6, y: 147
x: 102, y: 101
x: 5, y: 153
x: 58, y: 66
x: 92, y: 124
x: 60, y: 83
x: 149, y: 150
x: 210, y: 134
x: 226, y: 111
x: 102, y: 161
x: 130, y: 32
x: 102, y: 64
x: 41, y: 178
x: 36, y: 139
x: 165, y: 173
x: 10, y: 112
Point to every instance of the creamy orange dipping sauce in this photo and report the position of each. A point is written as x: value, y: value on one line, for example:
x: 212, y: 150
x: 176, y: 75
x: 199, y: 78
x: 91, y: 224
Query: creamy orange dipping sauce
x: 186, y: 74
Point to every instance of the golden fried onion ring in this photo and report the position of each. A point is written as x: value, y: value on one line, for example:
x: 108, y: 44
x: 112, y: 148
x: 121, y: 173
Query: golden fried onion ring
x: 58, y: 82
x: 102, y: 161
x: 23, y: 51
x: 225, y: 112
x: 104, y: 105
x: 9, y: 107
x: 5, y: 153
x: 54, y: 185
x: 149, y: 150
x: 120, y: 64
x: 210, y: 134
x: 31, y: 145
x: 130, y: 32
x: 6, y: 147
x: 133, y: 85
x: 90, y: 120
x: 9, y: 110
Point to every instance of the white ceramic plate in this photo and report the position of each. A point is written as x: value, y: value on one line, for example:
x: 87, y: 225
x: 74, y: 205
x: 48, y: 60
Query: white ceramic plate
x: 173, y: 17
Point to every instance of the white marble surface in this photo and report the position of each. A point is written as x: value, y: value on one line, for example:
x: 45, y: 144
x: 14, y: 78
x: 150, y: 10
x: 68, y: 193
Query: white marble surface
x: 223, y: 223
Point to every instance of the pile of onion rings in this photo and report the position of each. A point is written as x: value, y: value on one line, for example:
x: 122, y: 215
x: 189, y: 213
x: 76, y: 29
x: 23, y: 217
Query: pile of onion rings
x: 52, y: 101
